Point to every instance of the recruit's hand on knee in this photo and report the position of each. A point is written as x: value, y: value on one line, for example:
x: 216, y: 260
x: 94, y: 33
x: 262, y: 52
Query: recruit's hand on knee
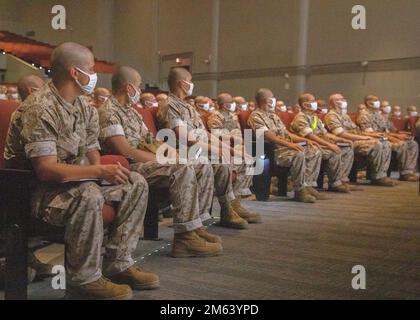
x: 115, y: 174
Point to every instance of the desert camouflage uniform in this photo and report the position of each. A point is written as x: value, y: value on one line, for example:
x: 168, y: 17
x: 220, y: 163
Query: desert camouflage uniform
x: 406, y: 151
x: 304, y: 166
x: 118, y: 120
x: 378, y: 153
x: 178, y: 113
x: 226, y: 124
x: 338, y: 165
x: 50, y: 126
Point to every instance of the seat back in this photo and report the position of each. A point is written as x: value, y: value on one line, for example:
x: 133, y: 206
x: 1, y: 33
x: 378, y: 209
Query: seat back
x: 399, y: 123
x: 149, y: 118
x: 243, y: 117
x: 286, y: 118
x: 205, y: 118
x: 353, y: 116
x: 6, y: 109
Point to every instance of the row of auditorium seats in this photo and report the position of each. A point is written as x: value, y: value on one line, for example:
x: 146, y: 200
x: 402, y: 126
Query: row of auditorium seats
x: 15, y: 187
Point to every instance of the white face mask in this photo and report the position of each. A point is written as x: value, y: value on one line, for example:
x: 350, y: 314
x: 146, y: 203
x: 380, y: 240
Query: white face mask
x: 136, y: 98
x: 283, y: 108
x: 244, y: 107
x: 231, y: 106
x: 397, y: 113
x: 343, y: 104
x: 314, y: 106
x: 211, y: 109
x: 190, y: 89
x: 14, y: 96
x: 376, y: 104
x: 343, y: 111
x: 387, y: 109
x: 205, y: 106
x: 103, y: 99
x: 324, y: 111
x: 90, y: 87
x: 273, y: 104
x: 413, y: 114
x: 152, y: 104
x: 3, y: 96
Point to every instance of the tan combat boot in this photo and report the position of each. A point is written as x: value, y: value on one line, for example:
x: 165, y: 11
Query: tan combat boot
x: 340, y: 189
x: 203, y: 233
x: 251, y: 217
x: 101, y: 289
x: 189, y: 244
x: 409, y: 177
x: 137, y: 279
x: 304, y: 196
x: 230, y: 219
x: 316, y: 194
x: 353, y: 187
x: 384, y: 182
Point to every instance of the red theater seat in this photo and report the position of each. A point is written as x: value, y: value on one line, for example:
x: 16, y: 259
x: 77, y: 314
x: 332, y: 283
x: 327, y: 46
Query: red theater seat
x: 286, y: 118
x: 353, y: 116
x: 243, y: 117
x: 399, y: 123
x: 149, y: 118
x: 205, y: 119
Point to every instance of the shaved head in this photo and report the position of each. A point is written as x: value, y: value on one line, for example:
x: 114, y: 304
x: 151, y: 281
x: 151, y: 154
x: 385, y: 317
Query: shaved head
x: 101, y: 92
x: 334, y: 98
x: 178, y: 74
x: 201, y: 100
x: 306, y: 97
x: 162, y: 99
x: 125, y: 75
x: 239, y: 100
x: 369, y: 100
x: 224, y: 98
x: 147, y: 99
x: 68, y: 55
x: 27, y: 84
x: 262, y: 95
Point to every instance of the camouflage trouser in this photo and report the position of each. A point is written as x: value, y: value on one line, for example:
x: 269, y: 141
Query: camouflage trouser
x: 243, y: 181
x: 378, y: 155
x: 223, y: 182
x: 334, y: 167
x: 181, y: 181
x: 304, y: 166
x: 78, y: 207
x: 347, y: 159
x: 205, y: 181
x: 407, y: 153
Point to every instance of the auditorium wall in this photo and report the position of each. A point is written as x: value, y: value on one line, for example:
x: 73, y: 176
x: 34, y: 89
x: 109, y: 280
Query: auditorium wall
x: 258, y: 42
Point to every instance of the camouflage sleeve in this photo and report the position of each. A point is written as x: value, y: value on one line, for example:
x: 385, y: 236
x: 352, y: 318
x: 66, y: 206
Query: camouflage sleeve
x: 215, y: 121
x: 110, y: 124
x: 300, y: 125
x: 39, y: 133
x: 256, y: 122
x: 321, y: 128
x: 364, y: 122
x: 173, y: 118
x: 333, y: 124
x: 92, y: 136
